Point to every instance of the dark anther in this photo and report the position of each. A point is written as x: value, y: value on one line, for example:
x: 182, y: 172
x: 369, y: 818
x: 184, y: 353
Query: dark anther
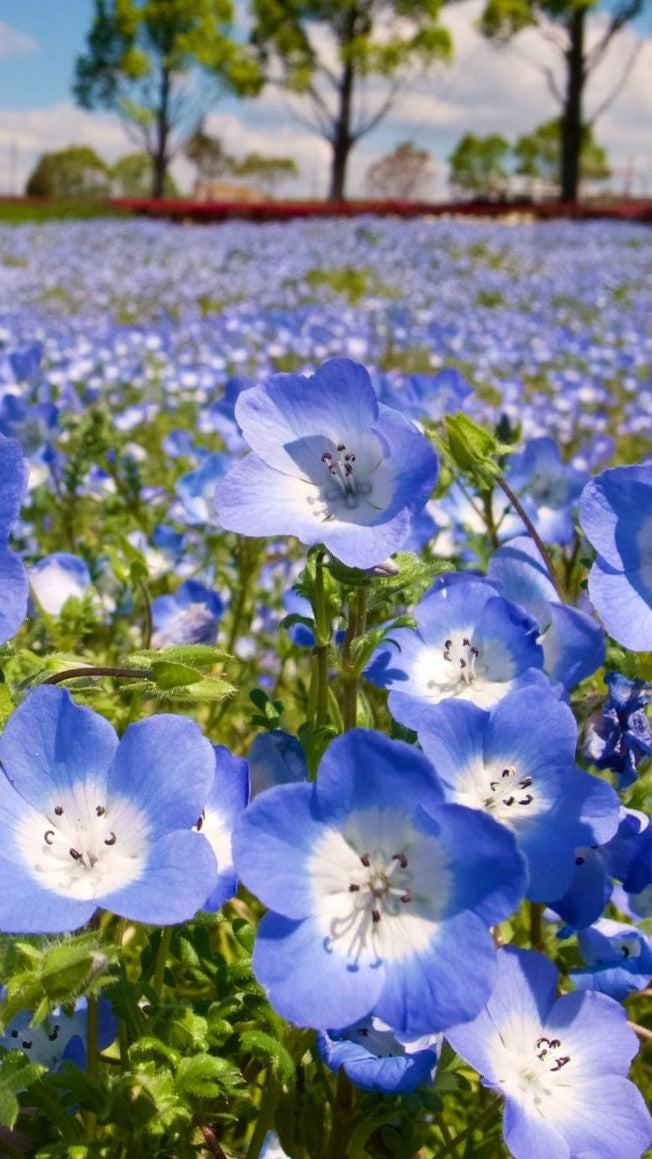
x: 466, y: 643
x: 560, y: 1062
x: 525, y: 783
x: 353, y: 888
x: 111, y: 839
x: 75, y: 854
x: 363, y: 1032
x: 366, y: 860
x: 54, y: 1034
x: 341, y: 446
x: 624, y: 951
x: 526, y: 800
x: 407, y: 896
x: 48, y: 836
x: 506, y: 773
x: 554, y: 1043
x: 375, y: 915
x: 58, y: 810
x: 27, y: 1043
x: 475, y: 651
x: 540, y: 1042
x: 326, y: 457
x: 508, y: 800
x: 14, y: 1033
x: 462, y: 663
x: 579, y: 861
x: 200, y: 822
x: 401, y: 858
x: 100, y: 810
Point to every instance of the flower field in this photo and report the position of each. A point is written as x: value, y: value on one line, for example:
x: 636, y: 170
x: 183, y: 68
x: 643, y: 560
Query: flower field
x: 326, y: 659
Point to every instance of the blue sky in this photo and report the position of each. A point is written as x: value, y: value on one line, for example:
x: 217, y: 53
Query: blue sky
x: 484, y: 91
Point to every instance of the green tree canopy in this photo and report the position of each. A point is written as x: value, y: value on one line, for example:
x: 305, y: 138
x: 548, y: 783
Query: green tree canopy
x: 131, y: 176
x: 143, y: 59
x: 569, y: 19
x: 325, y: 51
x: 404, y: 173
x: 479, y: 165
x: 267, y: 172
x: 73, y: 172
x: 538, y: 154
x: 207, y: 154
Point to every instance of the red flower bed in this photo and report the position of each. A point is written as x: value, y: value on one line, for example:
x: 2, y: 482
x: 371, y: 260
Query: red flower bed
x: 207, y: 211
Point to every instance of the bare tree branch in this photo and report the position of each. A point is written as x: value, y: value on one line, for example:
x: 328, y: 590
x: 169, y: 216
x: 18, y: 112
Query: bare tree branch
x: 618, y: 87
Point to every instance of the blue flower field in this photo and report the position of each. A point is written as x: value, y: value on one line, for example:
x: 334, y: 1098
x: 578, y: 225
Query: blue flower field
x: 325, y: 672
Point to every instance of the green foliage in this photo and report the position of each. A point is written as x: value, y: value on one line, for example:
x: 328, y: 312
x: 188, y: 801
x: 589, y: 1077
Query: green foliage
x: 539, y: 155
x: 138, y: 56
x: 478, y: 165
x: 132, y: 176
x: 325, y: 49
x: 73, y: 172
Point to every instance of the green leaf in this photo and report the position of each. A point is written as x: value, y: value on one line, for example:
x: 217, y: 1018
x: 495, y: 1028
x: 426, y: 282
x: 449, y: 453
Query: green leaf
x: 17, y: 1073
x: 273, y: 1053
x: 205, y: 1077
x: 196, y: 655
x: 167, y: 674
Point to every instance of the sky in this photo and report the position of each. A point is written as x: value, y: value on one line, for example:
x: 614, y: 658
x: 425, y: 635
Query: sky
x: 485, y: 90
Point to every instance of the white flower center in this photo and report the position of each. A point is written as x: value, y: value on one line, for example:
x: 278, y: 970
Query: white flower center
x: 509, y: 793
x: 539, y: 1072
x: 380, y: 886
x: 85, y: 846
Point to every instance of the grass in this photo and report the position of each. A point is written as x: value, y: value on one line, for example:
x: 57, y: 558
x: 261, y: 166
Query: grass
x: 19, y: 211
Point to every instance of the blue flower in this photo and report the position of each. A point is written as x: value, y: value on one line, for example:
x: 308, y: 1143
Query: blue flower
x: 275, y: 758
x: 89, y: 821
x: 573, y: 643
x: 618, y: 957
x: 58, y: 577
x: 560, y: 1063
x: 330, y: 465
x: 616, y: 517
x: 618, y: 736
x: 376, y: 1059
x: 226, y: 799
x: 13, y: 577
x: 469, y: 643
x: 190, y: 616
x: 61, y: 1036
x: 548, y: 489
x: 378, y: 890
x: 518, y: 764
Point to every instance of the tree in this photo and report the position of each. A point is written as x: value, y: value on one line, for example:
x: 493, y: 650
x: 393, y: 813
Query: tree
x: 404, y: 173
x: 538, y: 156
x: 73, y: 172
x: 208, y: 155
x: 325, y: 50
x: 131, y: 176
x: 268, y: 172
x: 143, y: 58
x: 478, y: 165
x: 565, y: 23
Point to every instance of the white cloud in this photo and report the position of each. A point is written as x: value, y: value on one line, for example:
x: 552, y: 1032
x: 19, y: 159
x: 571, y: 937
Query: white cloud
x: 14, y: 43
x: 26, y: 134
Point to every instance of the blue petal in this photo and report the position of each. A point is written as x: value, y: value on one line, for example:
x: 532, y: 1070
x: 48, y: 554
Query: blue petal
x: 176, y: 879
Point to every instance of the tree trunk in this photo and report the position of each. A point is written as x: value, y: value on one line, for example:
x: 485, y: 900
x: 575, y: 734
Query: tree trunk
x: 571, y: 120
x: 342, y: 141
x: 160, y: 154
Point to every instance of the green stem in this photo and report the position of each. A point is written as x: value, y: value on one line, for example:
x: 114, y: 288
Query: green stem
x: 452, y: 1143
x: 322, y: 639
x: 543, y: 550
x: 350, y: 674
x: 536, y: 926
x: 92, y: 1057
x: 90, y: 670
x: 161, y: 960
x: 342, y: 1117
x: 265, y: 1118
x: 246, y: 573
x: 148, y: 625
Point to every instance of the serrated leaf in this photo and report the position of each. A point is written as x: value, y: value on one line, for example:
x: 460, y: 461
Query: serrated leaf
x: 206, y: 688
x: 6, y: 704
x: 205, y: 1077
x: 17, y: 1073
x: 264, y: 1046
x: 166, y: 674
